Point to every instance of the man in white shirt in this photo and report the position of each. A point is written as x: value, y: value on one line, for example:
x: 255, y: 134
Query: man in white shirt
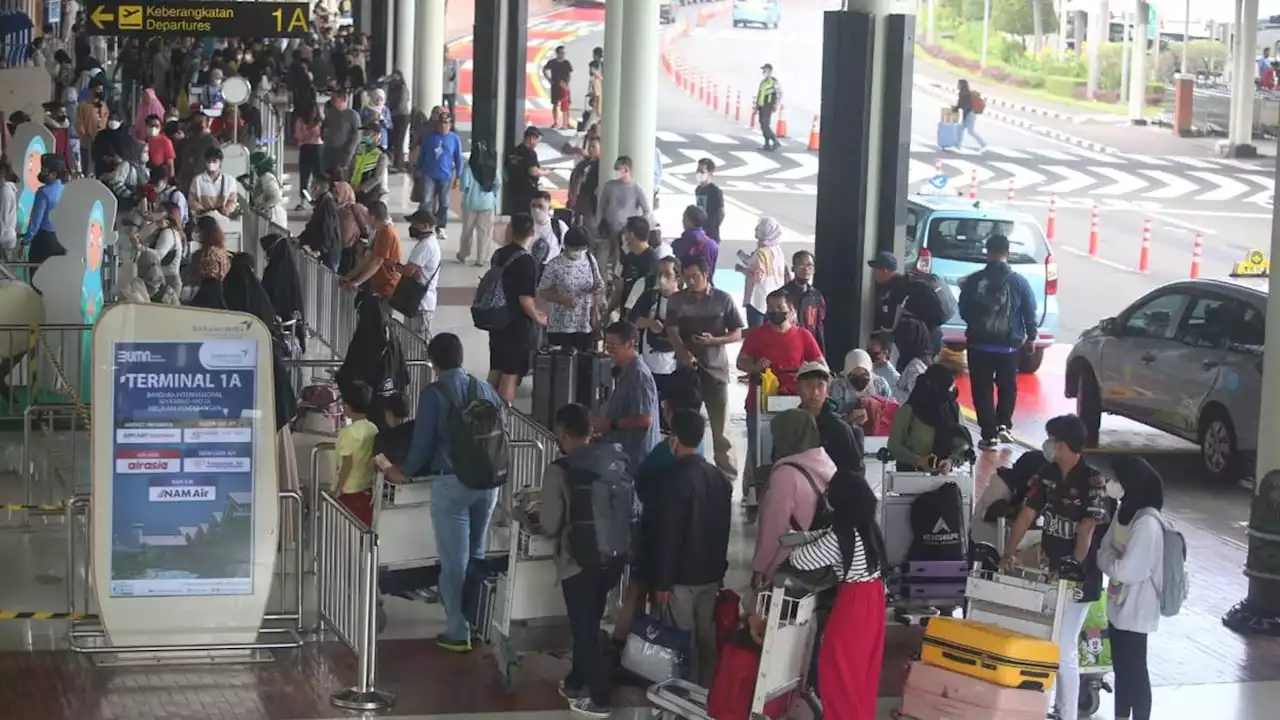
x: 548, y: 233
x: 213, y: 191
x: 424, y: 265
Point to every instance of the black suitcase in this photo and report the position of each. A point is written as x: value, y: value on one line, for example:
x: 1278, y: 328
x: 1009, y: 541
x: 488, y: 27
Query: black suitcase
x: 555, y: 384
x: 595, y: 381
x: 539, y: 342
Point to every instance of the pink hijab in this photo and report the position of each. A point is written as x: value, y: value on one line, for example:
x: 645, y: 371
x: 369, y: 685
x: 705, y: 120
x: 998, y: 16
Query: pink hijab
x: 148, y: 105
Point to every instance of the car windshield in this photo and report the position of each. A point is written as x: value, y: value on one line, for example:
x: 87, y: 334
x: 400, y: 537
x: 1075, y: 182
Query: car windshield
x: 965, y: 239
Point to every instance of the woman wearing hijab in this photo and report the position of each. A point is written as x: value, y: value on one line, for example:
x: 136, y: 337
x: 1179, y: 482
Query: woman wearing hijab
x: 801, y: 472
x: 1132, y: 557
x: 268, y: 195
x: 283, y: 284
x: 153, y: 278
x: 376, y: 110
x: 766, y: 271
x: 915, y: 349
x: 862, y: 397
x: 480, y: 184
x: 852, y: 639
x: 148, y: 105
x: 374, y: 355
x: 928, y: 434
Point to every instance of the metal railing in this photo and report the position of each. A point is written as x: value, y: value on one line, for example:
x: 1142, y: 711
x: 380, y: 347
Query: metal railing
x: 349, y: 560
x: 1211, y: 110
x: 34, y: 377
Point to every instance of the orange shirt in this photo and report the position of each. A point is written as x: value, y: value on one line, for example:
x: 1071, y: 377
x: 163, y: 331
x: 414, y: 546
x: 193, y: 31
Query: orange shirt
x: 386, y: 247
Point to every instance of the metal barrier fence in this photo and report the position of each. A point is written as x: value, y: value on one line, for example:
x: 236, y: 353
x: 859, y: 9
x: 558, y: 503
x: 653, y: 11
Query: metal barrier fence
x: 349, y: 561
x: 1211, y: 110
x: 33, y: 374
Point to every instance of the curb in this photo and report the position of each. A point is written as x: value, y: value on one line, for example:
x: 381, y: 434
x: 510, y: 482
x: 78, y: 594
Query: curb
x: 945, y: 92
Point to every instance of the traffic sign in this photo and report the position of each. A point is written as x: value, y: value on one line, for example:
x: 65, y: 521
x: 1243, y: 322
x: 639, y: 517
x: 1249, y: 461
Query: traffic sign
x: 939, y: 181
x: 217, y: 18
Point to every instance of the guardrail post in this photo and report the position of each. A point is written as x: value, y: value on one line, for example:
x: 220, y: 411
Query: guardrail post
x: 365, y: 695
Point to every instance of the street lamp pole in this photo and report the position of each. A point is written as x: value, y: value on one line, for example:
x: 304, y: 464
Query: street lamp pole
x: 986, y: 31
x: 1186, y: 37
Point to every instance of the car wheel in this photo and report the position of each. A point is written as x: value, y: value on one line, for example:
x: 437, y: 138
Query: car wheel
x: 1029, y: 363
x: 1089, y: 405
x: 1218, y: 449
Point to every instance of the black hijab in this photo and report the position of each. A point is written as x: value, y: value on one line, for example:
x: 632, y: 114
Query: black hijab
x: 283, y: 284
x: 244, y: 294
x: 484, y: 165
x: 363, y: 359
x: 209, y: 295
x: 933, y: 399
x: 1143, y: 487
x: 912, y: 340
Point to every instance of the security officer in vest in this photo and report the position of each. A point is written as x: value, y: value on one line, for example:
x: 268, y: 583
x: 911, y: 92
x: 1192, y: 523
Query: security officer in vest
x: 370, y: 165
x: 767, y: 99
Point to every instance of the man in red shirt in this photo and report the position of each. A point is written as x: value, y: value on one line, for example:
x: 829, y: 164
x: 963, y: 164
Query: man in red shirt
x: 160, y: 152
x: 782, y: 346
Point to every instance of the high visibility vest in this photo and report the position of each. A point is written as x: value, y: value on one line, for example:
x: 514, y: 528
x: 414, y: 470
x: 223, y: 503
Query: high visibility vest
x: 767, y: 93
x: 366, y: 161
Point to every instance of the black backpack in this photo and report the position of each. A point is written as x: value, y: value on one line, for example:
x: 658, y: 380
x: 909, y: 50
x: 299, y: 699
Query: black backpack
x: 604, y: 513
x: 932, y: 303
x: 478, y: 444
x: 991, y: 313
x: 822, y: 512
x: 937, y: 525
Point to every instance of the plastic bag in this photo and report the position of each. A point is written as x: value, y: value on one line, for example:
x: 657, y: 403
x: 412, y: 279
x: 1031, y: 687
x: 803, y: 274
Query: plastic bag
x: 656, y: 649
x: 768, y: 382
x: 1095, y: 645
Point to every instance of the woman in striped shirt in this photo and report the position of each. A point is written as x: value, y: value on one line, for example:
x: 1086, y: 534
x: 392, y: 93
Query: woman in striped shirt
x: 852, y: 644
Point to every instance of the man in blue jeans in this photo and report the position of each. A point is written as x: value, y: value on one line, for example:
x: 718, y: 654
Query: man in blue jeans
x: 460, y: 514
x: 438, y: 168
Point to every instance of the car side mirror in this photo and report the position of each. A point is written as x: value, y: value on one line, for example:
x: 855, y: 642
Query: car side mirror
x: 1109, y: 326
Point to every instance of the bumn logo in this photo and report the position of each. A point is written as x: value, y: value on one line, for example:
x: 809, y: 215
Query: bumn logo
x: 136, y: 356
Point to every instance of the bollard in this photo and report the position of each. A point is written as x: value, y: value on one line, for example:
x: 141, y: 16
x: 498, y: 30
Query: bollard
x: 1144, y: 258
x: 1095, y: 228
x: 728, y: 97
x: 973, y: 184
x: 1013, y: 193
x: 1196, y: 251
x: 715, y: 97
x: 1051, y: 227
x: 815, y: 137
x: 702, y: 88
x: 737, y: 109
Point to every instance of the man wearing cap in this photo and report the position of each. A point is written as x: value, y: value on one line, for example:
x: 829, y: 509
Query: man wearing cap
x: 898, y: 295
x: 424, y: 265
x: 522, y: 173
x: 813, y: 385
x: 370, y: 167
x: 768, y: 97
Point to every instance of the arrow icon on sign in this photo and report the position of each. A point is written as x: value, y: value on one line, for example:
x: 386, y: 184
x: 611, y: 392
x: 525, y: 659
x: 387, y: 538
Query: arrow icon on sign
x: 1227, y: 188
x: 1124, y: 182
x: 100, y: 17
x: 753, y: 164
x: 1174, y: 186
x: 1072, y: 181
x: 1023, y: 177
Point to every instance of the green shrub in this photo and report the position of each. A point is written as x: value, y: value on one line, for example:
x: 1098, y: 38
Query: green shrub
x: 1063, y: 86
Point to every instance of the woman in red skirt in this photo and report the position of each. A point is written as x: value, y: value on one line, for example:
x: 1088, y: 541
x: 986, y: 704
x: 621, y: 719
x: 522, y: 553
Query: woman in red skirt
x: 853, y: 642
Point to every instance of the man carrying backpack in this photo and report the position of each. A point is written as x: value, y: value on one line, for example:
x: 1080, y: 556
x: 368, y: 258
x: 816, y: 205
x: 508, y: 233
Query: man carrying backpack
x: 899, y: 294
x: 1072, y: 497
x: 459, y: 440
x: 1000, y: 313
x: 592, y: 548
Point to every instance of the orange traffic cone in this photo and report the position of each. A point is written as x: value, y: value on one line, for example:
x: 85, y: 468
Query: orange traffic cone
x: 815, y: 138
x: 702, y: 17
x: 781, y: 130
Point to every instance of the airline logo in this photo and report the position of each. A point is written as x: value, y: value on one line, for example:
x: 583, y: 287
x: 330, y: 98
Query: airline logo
x: 148, y: 462
x: 148, y: 436
x: 218, y: 435
x: 216, y: 465
x: 184, y: 493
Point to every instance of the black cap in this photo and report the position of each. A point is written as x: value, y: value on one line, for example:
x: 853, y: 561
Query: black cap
x: 884, y: 260
x: 532, y: 131
x: 767, y: 66
x: 418, y: 217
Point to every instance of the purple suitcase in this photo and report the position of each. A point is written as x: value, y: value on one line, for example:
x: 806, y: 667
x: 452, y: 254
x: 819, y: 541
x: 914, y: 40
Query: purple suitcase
x: 933, y: 590
x: 937, y: 570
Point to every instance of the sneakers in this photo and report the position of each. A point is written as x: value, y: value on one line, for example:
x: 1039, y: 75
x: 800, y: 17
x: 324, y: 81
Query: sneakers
x: 1005, y: 433
x: 988, y: 444
x: 444, y: 642
x: 585, y: 707
x: 571, y: 694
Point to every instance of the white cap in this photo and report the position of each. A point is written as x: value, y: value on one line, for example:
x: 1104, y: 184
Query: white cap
x: 813, y: 366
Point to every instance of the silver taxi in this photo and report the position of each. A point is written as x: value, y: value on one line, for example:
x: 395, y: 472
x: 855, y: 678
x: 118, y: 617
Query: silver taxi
x: 1185, y: 358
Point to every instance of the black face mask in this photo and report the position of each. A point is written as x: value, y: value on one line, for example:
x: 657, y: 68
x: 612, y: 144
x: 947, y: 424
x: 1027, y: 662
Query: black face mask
x: 859, y: 382
x: 417, y: 234
x: 776, y: 317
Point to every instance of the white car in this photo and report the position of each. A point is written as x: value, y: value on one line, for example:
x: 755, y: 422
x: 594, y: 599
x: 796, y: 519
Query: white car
x: 1185, y: 358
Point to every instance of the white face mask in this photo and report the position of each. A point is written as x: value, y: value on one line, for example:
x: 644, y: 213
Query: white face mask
x: 213, y: 168
x: 617, y: 175
x: 114, y: 124
x: 575, y: 253
x: 1115, y: 490
x: 702, y: 177
x: 152, y: 132
x: 1050, y: 450
x: 542, y: 217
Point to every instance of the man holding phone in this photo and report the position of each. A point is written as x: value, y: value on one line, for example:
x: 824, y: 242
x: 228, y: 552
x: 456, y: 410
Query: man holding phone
x: 701, y: 321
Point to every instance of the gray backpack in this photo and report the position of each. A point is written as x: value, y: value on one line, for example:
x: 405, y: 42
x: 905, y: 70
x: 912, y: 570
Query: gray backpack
x: 1175, y: 586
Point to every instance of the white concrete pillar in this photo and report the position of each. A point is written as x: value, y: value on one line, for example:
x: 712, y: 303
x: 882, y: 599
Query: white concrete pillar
x: 638, y: 108
x: 428, y: 48
x: 1099, y: 30
x: 1269, y: 414
x: 1138, y: 66
x: 1240, y: 127
x: 610, y: 121
x: 405, y: 29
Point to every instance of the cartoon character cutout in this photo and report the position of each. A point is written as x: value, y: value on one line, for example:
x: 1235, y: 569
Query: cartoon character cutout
x: 91, y: 297
x: 30, y: 141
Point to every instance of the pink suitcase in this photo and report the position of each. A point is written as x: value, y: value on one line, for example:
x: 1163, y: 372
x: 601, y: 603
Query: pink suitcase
x: 966, y: 698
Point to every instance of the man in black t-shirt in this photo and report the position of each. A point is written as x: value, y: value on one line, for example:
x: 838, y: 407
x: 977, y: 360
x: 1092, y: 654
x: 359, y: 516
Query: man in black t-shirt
x: 510, y: 347
x: 522, y: 174
x: 639, y: 266
x: 558, y: 71
x: 710, y: 198
x: 1072, y: 498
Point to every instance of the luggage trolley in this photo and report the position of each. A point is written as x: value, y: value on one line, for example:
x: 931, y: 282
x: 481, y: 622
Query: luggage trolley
x: 1027, y: 601
x: 760, y: 460
x: 790, y: 627
x: 921, y: 589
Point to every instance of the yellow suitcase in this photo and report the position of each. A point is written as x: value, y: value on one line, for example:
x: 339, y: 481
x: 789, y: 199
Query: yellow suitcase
x: 990, y: 653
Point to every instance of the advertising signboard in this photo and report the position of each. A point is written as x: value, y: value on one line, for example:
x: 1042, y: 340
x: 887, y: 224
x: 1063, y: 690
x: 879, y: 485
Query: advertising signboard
x: 182, y: 508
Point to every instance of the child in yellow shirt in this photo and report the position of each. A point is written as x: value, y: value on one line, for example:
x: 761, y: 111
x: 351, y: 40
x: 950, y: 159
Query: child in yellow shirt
x: 356, y: 472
